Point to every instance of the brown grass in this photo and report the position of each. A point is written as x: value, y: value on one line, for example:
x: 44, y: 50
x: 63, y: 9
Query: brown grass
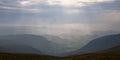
x: 91, y: 56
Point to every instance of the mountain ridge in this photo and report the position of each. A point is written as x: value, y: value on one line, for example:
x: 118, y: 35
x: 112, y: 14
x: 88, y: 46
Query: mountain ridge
x: 98, y: 44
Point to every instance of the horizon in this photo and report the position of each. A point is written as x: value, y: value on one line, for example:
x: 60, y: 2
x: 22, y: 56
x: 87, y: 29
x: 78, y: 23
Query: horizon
x: 68, y: 23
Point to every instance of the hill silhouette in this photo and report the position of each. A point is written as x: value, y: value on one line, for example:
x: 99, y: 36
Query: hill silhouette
x: 99, y: 44
x: 16, y: 42
x: 108, y: 54
x: 20, y: 49
x: 40, y: 45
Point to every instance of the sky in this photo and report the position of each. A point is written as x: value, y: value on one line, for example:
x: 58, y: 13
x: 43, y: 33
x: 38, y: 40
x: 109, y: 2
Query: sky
x: 63, y: 18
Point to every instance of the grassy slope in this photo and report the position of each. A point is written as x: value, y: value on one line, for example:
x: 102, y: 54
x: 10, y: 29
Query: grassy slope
x: 110, y: 54
x: 102, y: 55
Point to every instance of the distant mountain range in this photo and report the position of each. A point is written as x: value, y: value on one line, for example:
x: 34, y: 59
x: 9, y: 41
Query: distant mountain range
x: 11, y: 42
x: 41, y: 45
x: 20, y: 49
x: 98, y: 44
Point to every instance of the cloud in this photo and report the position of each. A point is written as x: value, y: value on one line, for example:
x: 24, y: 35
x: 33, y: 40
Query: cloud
x: 101, y: 6
x: 37, y: 3
x: 47, y: 7
x: 63, y: 14
x: 25, y: 3
x: 41, y: 10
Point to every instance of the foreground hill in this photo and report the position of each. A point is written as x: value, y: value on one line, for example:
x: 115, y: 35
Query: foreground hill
x: 114, y: 50
x: 109, y: 54
x: 13, y: 56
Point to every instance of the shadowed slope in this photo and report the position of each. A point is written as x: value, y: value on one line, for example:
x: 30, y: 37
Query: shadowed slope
x: 98, y: 44
x: 20, y: 49
x: 102, y: 55
x: 12, y: 42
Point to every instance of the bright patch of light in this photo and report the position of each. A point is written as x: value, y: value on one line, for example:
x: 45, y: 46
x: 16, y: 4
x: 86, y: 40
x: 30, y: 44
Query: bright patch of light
x: 74, y: 2
x: 61, y: 2
x: 65, y: 2
x: 25, y: 3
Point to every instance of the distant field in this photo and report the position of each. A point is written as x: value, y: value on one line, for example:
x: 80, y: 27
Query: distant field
x: 92, y: 56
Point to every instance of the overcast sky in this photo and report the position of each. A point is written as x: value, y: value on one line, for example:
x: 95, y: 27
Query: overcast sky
x: 61, y: 16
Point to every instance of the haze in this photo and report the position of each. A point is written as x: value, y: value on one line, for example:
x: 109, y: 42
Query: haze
x: 75, y: 21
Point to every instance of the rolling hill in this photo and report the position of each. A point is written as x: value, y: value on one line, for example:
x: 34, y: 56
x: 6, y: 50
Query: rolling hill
x: 20, y: 49
x: 114, y: 50
x: 39, y: 44
x: 99, y: 44
x: 109, y: 54
x: 101, y: 55
x: 19, y: 42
